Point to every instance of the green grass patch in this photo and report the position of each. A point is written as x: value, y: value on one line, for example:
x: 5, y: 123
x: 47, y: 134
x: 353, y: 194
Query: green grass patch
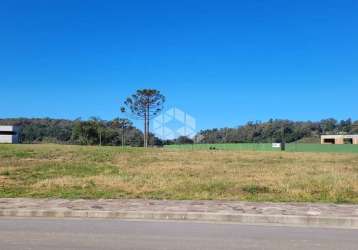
x: 290, y: 147
x: 63, y: 171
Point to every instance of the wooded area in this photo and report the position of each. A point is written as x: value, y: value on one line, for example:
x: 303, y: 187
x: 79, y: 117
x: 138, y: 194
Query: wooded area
x: 277, y: 131
x: 122, y: 132
x: 83, y: 132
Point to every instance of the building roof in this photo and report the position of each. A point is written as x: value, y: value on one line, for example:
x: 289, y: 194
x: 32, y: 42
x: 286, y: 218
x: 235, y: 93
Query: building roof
x: 8, y: 128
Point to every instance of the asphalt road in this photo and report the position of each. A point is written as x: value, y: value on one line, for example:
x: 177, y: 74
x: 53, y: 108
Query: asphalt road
x: 39, y: 234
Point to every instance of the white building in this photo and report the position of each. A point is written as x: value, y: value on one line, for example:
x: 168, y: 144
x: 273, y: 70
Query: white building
x: 339, y: 139
x: 9, y: 134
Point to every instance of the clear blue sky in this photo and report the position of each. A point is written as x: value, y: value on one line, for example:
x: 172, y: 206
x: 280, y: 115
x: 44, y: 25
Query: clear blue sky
x: 224, y: 62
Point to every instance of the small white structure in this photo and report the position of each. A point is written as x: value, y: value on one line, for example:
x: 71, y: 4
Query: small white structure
x: 9, y: 134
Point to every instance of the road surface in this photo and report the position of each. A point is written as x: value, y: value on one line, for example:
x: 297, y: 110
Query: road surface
x: 40, y: 234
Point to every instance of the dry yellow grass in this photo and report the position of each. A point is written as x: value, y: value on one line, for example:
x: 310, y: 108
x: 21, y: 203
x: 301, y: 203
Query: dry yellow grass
x: 108, y: 172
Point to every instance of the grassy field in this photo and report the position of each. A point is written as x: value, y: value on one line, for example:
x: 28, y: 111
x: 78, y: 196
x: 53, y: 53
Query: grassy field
x: 290, y: 147
x: 110, y: 172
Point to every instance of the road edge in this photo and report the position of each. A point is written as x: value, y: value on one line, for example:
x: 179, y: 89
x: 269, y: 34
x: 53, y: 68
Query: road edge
x: 289, y: 220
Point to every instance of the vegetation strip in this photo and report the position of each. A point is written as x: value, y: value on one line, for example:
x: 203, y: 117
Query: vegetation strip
x: 60, y: 171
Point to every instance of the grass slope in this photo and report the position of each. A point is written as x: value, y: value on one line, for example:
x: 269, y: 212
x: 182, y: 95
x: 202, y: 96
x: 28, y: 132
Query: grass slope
x: 110, y: 172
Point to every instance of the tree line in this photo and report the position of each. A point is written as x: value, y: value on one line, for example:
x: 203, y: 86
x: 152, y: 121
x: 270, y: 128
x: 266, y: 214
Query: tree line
x: 278, y: 131
x: 145, y: 104
x: 122, y: 132
x: 94, y: 131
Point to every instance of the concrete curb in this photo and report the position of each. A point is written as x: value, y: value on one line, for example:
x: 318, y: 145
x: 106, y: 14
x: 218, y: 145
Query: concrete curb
x: 293, y: 220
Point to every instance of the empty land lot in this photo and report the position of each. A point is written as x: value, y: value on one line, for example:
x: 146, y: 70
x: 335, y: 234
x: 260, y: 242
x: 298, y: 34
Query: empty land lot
x: 112, y: 172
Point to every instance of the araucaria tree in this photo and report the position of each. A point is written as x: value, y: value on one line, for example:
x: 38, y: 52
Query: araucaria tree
x: 145, y: 104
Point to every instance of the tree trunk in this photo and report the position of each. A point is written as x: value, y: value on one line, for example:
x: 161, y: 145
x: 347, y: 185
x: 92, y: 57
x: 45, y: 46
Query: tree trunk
x: 148, y: 119
x: 145, y: 130
x: 122, y: 136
